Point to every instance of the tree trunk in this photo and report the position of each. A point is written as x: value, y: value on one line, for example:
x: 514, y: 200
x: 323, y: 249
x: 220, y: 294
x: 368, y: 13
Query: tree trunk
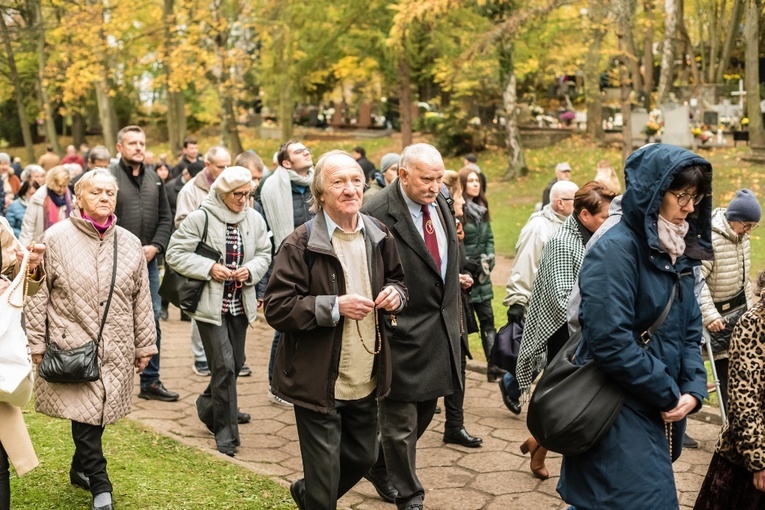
x: 176, y: 110
x: 697, y: 79
x: 26, y: 131
x: 78, y: 129
x: 106, y: 114
x: 668, y: 55
x: 648, y: 83
x: 623, y: 27
x: 516, y: 161
x: 752, y: 78
x: 286, y: 87
x: 405, y: 98
x: 715, y: 25
x: 42, y: 94
x: 229, y: 128
x: 730, y: 39
x: 592, y: 73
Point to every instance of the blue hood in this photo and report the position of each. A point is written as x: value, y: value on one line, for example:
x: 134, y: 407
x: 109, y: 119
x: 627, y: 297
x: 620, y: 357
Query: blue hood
x: 648, y: 173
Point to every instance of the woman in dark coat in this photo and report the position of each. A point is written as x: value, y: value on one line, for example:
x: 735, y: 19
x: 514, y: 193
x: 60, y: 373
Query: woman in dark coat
x: 479, y: 250
x: 625, y: 281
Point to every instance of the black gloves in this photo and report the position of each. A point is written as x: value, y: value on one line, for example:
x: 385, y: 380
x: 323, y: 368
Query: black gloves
x: 516, y: 313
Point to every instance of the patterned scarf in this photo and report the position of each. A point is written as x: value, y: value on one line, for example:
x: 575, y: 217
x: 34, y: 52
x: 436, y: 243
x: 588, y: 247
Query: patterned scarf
x: 558, y: 269
x: 52, y: 207
x: 672, y: 237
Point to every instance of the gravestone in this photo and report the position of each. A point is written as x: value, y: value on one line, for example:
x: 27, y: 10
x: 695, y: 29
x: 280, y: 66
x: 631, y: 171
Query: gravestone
x: 677, y: 128
x: 365, y: 116
x: 638, y: 121
x: 711, y: 119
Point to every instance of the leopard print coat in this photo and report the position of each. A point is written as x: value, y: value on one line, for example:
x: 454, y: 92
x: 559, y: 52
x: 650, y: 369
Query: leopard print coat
x: 742, y: 440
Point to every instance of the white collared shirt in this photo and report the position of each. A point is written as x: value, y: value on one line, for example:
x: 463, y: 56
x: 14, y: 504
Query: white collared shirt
x: 415, y: 210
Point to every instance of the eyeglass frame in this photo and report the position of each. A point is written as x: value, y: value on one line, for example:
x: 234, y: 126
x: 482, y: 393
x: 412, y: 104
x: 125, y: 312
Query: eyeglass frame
x: 748, y: 226
x: 238, y: 195
x: 697, y: 198
x: 302, y: 152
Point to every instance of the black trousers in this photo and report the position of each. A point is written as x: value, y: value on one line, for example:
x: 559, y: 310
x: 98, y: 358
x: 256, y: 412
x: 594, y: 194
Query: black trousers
x: 401, y: 425
x: 224, y: 348
x: 485, y: 314
x: 721, y: 366
x: 338, y: 448
x: 5, y: 480
x: 89, y: 456
x: 454, y: 404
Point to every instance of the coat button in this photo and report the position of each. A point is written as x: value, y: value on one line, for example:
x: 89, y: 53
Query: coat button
x: 101, y: 303
x: 666, y: 267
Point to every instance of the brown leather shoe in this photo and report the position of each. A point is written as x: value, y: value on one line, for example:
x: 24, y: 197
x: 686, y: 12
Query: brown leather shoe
x: 538, y: 454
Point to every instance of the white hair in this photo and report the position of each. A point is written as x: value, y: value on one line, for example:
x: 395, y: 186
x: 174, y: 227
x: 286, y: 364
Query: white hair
x: 418, y: 152
x: 561, y: 188
x: 88, y: 177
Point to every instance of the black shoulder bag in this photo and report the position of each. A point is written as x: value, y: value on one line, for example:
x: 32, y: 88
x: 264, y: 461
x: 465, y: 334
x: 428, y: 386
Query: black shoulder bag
x: 80, y: 364
x: 182, y: 291
x: 574, y: 406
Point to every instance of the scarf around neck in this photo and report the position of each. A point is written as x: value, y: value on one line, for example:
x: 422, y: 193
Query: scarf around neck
x: 672, y: 237
x: 474, y: 212
x: 52, y: 207
x: 277, y: 201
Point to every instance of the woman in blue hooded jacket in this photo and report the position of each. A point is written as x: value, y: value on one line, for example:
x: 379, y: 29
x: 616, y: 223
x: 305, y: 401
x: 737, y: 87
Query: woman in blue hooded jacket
x: 625, y: 281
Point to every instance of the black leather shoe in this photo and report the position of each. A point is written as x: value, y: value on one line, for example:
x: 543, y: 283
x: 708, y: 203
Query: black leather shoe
x: 110, y: 506
x: 295, y: 493
x: 163, y: 313
x: 510, y: 403
x: 413, y: 506
x: 437, y: 410
x: 689, y: 442
x: 79, y: 480
x: 383, y: 486
x: 227, y: 450
x: 242, y: 417
x: 463, y: 438
x: 157, y: 391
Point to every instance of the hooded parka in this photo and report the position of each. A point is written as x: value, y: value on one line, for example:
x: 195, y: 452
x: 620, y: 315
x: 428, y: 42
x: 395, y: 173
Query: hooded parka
x: 625, y: 281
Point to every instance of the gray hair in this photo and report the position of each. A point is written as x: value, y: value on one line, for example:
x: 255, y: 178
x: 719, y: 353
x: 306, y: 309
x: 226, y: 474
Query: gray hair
x: 98, y: 153
x: 317, y: 185
x: 5, y: 158
x: 30, y: 171
x: 87, y: 179
x: 215, y: 153
x: 128, y: 129
x: 418, y: 152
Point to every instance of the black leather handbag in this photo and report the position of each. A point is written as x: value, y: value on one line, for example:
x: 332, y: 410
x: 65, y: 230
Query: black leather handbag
x: 185, y: 292
x: 731, y: 311
x: 507, y: 346
x: 574, y: 406
x: 80, y: 364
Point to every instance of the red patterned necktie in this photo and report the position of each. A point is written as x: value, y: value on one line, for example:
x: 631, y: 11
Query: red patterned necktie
x: 429, y: 234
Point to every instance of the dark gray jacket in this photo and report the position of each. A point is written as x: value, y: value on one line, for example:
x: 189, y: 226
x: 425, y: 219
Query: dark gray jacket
x: 142, y: 206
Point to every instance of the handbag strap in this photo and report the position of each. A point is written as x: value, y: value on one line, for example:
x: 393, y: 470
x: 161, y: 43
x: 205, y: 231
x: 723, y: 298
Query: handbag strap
x: 111, y: 290
x: 646, y: 335
x: 204, y: 232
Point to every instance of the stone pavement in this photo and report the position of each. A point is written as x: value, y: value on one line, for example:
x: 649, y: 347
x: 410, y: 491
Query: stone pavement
x: 493, y: 477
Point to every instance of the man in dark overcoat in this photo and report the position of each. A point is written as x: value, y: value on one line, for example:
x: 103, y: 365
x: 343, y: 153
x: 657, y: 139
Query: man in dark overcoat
x: 425, y: 338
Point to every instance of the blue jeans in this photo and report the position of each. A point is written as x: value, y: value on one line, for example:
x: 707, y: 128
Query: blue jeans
x: 510, y: 384
x: 151, y: 373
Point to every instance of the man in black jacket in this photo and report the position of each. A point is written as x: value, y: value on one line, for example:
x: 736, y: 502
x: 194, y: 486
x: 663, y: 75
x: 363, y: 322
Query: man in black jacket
x: 143, y: 210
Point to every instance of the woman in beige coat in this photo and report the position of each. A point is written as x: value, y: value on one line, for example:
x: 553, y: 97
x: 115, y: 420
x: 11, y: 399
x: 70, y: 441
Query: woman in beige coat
x: 79, y: 262
x: 14, y: 438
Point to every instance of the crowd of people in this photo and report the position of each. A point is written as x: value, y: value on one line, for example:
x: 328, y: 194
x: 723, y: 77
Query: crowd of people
x: 372, y: 281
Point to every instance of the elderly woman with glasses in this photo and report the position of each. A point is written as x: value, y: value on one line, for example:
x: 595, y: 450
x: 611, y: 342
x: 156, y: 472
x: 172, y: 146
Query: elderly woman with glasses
x: 726, y: 293
x: 49, y: 205
x: 228, y: 303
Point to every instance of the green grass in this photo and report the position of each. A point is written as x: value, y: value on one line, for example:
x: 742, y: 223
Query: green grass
x: 147, y: 470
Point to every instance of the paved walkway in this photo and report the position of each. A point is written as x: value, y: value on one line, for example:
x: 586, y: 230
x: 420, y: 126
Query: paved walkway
x: 495, y: 476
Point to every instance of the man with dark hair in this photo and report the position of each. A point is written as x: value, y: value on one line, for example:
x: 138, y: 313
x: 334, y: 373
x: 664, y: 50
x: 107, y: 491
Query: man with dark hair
x: 49, y: 159
x: 286, y: 200
x: 98, y: 157
x: 189, y: 155
x: 360, y: 155
x: 142, y: 209
x: 425, y: 338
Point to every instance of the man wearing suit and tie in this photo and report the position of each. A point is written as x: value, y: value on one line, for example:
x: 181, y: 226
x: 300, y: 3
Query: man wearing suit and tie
x: 425, y: 338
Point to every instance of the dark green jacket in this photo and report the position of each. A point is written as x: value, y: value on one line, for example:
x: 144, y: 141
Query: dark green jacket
x: 479, y: 239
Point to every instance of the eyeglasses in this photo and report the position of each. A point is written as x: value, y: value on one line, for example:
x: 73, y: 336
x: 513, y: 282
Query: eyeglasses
x: 684, y: 198
x: 748, y: 227
x: 566, y: 199
x: 301, y: 152
x: 242, y: 194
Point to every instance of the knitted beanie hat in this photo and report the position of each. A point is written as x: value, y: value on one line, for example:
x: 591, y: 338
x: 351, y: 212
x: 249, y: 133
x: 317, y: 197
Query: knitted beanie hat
x: 232, y: 178
x: 744, y: 207
x: 195, y: 168
x: 388, y: 161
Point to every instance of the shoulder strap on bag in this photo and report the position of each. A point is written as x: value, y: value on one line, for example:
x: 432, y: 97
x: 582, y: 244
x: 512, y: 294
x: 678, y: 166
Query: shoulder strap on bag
x: 111, y: 289
x: 645, y: 336
x: 204, y: 232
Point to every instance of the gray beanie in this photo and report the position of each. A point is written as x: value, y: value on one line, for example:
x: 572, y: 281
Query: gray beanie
x: 231, y: 178
x: 744, y: 207
x: 388, y: 161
